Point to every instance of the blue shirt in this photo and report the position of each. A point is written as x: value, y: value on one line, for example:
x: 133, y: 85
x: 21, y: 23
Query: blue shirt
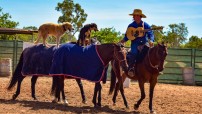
x: 140, y: 40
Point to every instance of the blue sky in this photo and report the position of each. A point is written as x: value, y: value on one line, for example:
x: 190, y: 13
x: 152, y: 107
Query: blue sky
x: 111, y: 13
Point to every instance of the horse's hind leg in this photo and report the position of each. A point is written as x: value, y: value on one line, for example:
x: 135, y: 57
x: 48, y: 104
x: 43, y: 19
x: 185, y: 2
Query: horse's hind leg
x: 33, y: 81
x: 82, y: 91
x: 18, y: 87
x: 95, y: 95
x: 141, y: 86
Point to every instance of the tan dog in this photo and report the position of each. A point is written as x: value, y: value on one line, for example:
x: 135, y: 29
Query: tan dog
x: 51, y: 29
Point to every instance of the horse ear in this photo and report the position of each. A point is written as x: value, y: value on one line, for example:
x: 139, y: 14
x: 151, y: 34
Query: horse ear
x: 120, y: 44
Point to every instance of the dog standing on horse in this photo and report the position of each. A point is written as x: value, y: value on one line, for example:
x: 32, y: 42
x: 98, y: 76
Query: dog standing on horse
x: 84, y: 35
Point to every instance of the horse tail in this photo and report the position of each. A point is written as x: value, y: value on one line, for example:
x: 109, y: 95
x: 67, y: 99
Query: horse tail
x: 54, y: 85
x: 16, y: 74
x: 113, y: 82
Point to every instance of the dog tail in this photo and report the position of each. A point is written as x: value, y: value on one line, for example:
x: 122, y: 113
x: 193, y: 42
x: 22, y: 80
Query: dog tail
x: 39, y: 36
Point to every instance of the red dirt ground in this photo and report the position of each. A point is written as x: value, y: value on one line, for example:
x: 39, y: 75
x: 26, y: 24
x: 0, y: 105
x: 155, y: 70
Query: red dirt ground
x: 168, y: 99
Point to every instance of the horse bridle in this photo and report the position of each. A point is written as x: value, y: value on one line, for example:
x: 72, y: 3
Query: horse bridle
x: 153, y: 66
x: 116, y: 57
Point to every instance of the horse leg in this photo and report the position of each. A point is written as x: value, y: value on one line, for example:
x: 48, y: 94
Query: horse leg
x: 33, y: 81
x: 95, y: 95
x: 18, y: 87
x: 151, y: 93
x: 99, y: 94
x: 123, y: 95
x: 81, y: 90
x: 62, y: 79
x: 56, y: 88
x: 141, y: 86
x: 116, y: 91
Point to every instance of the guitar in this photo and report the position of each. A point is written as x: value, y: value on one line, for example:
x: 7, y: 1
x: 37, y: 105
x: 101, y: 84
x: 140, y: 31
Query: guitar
x: 133, y: 33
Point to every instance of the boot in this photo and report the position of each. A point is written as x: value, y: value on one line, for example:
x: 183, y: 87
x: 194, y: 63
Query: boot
x: 131, y: 59
x: 131, y: 70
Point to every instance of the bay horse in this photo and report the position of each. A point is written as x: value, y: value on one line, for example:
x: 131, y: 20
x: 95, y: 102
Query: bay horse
x: 106, y: 52
x: 146, y: 70
x: 41, y: 59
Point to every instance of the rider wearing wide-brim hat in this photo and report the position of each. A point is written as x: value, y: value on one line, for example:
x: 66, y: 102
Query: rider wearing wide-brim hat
x: 136, y: 38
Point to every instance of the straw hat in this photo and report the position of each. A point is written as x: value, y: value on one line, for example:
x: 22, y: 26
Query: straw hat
x: 138, y: 12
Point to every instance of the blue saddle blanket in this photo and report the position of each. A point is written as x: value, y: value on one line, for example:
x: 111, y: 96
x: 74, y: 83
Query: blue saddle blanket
x: 78, y: 62
x: 37, y: 60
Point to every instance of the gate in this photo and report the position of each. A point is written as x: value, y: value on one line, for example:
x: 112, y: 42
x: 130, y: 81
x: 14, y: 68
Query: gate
x: 11, y: 49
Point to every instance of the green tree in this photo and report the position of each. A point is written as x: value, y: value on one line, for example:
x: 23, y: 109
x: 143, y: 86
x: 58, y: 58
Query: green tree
x: 72, y: 13
x: 30, y: 28
x: 194, y: 42
x: 158, y: 34
x: 176, y: 34
x: 6, y: 22
x: 108, y: 35
x: 28, y: 38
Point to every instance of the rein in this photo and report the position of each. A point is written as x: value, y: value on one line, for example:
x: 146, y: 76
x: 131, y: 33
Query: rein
x: 116, y: 57
x: 151, y: 65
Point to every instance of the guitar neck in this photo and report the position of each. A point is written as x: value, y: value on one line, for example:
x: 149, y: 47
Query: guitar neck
x: 145, y: 30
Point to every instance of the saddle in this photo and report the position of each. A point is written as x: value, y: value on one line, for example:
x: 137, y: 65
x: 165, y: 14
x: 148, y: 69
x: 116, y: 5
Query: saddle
x: 143, y: 49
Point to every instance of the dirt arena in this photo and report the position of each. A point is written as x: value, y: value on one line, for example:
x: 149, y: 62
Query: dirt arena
x: 168, y: 99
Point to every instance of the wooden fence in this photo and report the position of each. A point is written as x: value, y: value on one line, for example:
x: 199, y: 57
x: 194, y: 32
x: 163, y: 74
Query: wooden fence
x: 176, y: 60
x: 179, y: 59
x: 11, y: 49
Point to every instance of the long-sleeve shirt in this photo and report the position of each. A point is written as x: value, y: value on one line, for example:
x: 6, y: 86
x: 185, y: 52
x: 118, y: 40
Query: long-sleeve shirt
x: 140, y: 40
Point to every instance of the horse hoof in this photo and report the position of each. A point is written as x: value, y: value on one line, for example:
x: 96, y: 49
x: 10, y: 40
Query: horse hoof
x: 84, y: 102
x: 97, y: 106
x: 66, y: 102
x: 152, y: 112
x: 127, y: 107
x: 35, y: 98
x: 14, y: 97
x: 54, y: 101
x: 136, y: 107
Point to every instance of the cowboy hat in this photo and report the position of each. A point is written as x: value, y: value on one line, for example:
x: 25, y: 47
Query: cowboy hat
x: 138, y: 12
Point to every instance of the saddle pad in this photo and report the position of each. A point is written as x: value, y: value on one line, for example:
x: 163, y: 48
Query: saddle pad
x: 78, y: 62
x: 37, y: 60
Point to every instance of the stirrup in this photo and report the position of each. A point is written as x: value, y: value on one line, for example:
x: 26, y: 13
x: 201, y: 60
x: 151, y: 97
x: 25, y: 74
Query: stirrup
x: 131, y: 72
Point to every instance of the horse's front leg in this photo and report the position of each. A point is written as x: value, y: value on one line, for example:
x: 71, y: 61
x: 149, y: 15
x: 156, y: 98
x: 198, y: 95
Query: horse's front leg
x: 99, y: 94
x: 151, y: 93
x: 116, y: 91
x: 81, y: 90
x: 141, y: 86
x: 95, y: 95
x: 20, y: 79
x: 33, y: 83
x: 123, y: 95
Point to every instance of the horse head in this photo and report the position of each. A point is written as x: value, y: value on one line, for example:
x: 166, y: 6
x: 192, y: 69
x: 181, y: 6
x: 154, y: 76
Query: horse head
x: 161, y: 55
x: 120, y: 56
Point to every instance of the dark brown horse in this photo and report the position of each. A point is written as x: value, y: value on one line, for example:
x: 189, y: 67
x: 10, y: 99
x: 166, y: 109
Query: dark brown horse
x: 107, y: 52
x: 146, y: 70
x: 40, y: 58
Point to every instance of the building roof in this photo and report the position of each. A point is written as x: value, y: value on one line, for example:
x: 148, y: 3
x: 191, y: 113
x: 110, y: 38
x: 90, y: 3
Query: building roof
x: 12, y: 31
